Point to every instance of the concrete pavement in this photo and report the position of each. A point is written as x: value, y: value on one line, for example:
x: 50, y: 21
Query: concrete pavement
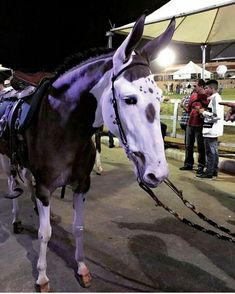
x: 130, y: 244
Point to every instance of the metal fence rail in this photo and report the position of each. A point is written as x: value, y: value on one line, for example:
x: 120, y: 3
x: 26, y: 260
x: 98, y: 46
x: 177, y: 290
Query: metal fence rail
x: 175, y: 117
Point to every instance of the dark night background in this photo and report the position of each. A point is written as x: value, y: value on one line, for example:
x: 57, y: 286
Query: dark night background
x: 38, y: 35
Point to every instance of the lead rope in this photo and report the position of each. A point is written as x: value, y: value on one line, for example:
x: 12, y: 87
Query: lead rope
x: 192, y: 207
x: 179, y: 193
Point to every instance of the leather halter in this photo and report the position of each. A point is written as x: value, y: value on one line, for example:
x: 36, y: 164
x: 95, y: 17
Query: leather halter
x: 123, y: 137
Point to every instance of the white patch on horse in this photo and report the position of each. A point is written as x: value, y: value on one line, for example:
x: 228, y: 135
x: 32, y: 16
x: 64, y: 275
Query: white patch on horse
x: 99, y: 168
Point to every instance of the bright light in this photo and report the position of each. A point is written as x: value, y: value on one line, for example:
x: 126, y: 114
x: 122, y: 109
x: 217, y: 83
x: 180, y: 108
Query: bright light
x: 221, y: 69
x: 166, y: 57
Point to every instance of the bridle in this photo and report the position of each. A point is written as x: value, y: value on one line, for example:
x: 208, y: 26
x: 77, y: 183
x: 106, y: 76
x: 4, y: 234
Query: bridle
x: 130, y: 154
x: 117, y: 120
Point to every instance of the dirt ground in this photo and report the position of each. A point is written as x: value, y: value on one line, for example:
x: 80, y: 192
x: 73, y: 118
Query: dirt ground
x: 130, y: 244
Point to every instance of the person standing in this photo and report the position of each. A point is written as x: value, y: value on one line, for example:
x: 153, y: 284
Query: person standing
x: 198, y: 99
x: 213, y: 127
x: 185, y: 115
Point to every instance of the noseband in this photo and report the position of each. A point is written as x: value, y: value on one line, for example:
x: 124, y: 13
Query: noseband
x: 117, y: 120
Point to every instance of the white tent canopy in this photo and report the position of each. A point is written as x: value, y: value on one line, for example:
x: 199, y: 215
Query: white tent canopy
x: 190, y: 69
x: 197, y: 22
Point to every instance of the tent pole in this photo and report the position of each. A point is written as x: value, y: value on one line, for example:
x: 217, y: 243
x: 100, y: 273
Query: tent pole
x: 110, y: 39
x: 203, y: 47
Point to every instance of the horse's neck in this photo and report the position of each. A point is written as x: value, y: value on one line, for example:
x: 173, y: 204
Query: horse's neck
x: 79, y: 87
x: 99, y: 91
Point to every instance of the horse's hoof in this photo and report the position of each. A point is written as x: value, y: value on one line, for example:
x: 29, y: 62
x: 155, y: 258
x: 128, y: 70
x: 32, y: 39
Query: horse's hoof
x: 16, y: 193
x: 84, y: 280
x: 99, y: 171
x: 17, y: 227
x: 42, y: 288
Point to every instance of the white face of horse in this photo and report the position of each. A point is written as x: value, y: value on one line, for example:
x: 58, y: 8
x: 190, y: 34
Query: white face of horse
x: 139, y: 111
x: 138, y: 106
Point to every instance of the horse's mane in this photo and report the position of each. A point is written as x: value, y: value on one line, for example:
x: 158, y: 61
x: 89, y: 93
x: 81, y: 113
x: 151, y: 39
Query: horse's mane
x: 77, y: 58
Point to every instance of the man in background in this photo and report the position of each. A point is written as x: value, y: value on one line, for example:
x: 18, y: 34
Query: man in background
x: 213, y: 127
x: 198, y: 99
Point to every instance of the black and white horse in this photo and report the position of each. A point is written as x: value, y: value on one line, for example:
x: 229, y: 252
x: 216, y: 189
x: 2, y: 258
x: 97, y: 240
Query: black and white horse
x: 116, y: 89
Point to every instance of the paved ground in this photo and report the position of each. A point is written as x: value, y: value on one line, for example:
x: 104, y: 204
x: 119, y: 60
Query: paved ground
x: 130, y: 245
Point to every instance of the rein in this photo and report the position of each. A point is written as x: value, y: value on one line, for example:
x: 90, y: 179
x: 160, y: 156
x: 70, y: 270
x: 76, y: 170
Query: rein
x: 179, y: 193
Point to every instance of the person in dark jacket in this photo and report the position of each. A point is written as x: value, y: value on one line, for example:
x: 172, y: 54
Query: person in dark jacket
x: 194, y: 128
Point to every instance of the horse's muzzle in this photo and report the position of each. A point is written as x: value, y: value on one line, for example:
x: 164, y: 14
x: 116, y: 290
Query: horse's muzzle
x: 152, y: 177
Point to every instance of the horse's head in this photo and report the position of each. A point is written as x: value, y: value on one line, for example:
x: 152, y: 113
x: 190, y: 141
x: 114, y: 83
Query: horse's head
x: 135, y: 115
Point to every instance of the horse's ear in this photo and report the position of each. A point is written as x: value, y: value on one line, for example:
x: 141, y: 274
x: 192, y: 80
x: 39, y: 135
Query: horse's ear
x: 123, y: 53
x: 151, y: 49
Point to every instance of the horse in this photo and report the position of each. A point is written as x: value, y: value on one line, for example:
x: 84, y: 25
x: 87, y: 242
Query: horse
x: 15, y: 188
x: 97, y: 139
x: 116, y: 89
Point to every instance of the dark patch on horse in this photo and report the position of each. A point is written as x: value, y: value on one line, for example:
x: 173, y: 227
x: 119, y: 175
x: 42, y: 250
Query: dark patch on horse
x: 151, y: 90
x: 150, y: 112
x: 84, y: 116
x: 57, y: 92
x: 138, y: 71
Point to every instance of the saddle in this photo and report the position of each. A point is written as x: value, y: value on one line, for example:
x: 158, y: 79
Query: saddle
x: 18, y: 107
x: 21, y: 80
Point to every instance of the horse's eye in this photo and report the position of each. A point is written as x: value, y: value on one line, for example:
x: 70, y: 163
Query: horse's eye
x: 131, y: 100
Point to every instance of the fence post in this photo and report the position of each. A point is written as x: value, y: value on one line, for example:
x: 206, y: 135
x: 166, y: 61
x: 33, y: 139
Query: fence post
x: 175, y: 117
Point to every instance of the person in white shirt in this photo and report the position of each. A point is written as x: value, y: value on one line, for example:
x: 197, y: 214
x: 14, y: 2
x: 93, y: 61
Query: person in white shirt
x: 213, y: 127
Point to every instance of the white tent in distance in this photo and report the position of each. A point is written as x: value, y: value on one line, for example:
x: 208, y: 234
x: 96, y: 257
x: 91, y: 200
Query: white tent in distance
x: 189, y: 71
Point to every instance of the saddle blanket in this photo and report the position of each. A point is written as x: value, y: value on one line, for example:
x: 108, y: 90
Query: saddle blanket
x: 17, y: 108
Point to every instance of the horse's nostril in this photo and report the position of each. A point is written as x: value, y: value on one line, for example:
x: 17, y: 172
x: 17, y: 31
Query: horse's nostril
x: 152, y: 177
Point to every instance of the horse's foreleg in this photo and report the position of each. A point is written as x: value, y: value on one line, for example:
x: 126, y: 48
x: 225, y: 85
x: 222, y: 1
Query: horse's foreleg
x: 44, y: 235
x: 17, y: 226
x: 78, y: 225
x: 98, y: 166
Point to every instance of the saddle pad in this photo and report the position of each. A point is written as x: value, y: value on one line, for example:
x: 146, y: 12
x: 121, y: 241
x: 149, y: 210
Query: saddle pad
x: 25, y: 110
